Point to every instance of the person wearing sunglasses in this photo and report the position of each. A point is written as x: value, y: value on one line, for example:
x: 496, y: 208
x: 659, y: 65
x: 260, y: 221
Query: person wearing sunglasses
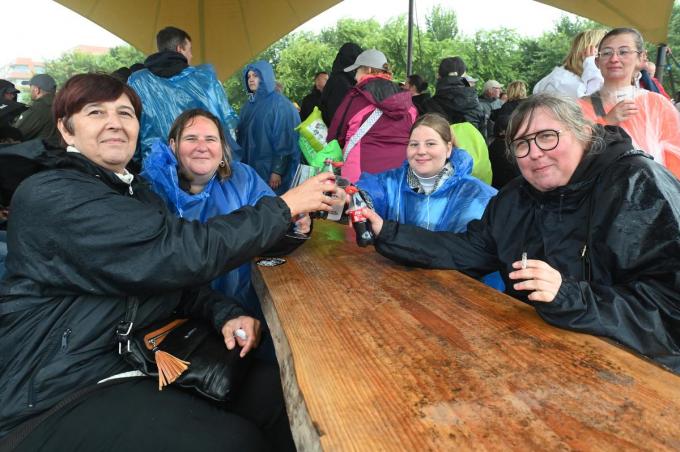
x: 589, y: 235
x: 649, y: 118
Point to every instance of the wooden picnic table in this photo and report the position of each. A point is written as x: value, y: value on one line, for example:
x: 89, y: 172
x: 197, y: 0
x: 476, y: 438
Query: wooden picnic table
x: 375, y: 356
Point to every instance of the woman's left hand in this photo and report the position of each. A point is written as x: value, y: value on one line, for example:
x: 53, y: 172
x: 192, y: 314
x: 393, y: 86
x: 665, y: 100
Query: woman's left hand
x: 274, y: 181
x: 303, y: 224
x: 538, y: 277
x: 251, y: 327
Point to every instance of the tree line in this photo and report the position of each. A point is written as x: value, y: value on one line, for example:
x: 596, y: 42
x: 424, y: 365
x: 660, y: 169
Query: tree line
x: 500, y: 54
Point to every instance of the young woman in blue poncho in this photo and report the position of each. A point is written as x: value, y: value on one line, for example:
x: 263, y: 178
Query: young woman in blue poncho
x: 434, y: 188
x: 194, y: 174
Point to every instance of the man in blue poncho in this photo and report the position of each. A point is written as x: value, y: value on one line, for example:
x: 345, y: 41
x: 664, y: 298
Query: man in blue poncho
x: 266, y: 131
x: 169, y: 85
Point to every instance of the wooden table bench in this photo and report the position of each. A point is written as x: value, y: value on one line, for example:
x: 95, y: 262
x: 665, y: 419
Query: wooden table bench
x: 375, y: 356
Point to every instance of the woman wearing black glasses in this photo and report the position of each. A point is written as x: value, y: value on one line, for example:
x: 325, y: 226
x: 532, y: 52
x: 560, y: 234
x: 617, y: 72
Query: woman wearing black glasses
x: 590, y: 235
x: 649, y: 118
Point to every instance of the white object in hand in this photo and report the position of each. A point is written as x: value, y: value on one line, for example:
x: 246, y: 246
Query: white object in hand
x: 240, y: 334
x: 524, y: 260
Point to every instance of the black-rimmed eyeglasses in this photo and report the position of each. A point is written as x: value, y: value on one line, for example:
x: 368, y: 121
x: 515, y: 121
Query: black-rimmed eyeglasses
x: 545, y: 140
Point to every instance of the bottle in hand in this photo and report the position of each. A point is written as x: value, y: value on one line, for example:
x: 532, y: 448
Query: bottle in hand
x: 361, y: 225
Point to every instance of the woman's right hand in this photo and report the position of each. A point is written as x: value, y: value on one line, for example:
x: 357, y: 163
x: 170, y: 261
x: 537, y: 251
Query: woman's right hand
x: 589, y: 51
x: 310, y: 196
x: 375, y: 220
x: 621, y: 111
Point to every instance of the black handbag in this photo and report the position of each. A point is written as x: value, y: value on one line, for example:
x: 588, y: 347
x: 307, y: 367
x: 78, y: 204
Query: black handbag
x: 185, y: 352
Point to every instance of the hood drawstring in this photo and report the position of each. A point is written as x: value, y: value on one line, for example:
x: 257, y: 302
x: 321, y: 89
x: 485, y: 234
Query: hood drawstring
x: 559, y: 211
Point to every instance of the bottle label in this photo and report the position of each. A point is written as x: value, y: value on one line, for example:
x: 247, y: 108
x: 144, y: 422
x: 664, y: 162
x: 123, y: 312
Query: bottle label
x: 356, y: 216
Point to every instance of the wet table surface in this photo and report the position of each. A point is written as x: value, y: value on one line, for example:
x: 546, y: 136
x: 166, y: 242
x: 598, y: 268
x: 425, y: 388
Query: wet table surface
x: 376, y: 356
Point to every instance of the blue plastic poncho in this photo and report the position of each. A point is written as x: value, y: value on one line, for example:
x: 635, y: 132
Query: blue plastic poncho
x: 163, y: 99
x: 243, y: 187
x: 266, y: 131
x: 460, y: 199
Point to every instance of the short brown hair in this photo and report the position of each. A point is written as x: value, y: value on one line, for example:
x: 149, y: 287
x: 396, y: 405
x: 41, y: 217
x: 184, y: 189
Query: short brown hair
x: 83, y: 89
x: 185, y: 119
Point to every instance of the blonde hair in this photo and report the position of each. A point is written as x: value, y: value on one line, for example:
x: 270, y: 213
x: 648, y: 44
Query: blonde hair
x: 574, y: 59
x: 517, y: 90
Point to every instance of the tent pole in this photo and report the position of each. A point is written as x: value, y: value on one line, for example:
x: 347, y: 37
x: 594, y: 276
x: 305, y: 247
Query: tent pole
x: 660, y: 61
x: 409, y: 45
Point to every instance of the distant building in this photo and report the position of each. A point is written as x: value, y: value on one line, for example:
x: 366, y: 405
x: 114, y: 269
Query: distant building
x: 20, y: 69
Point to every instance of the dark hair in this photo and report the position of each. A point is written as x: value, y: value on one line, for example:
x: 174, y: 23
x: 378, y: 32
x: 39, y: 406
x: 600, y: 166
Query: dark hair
x: 452, y: 66
x: 137, y: 67
x: 184, y: 120
x: 83, y: 89
x: 637, y: 37
x: 171, y: 37
x: 439, y: 124
x: 122, y: 74
x: 417, y: 81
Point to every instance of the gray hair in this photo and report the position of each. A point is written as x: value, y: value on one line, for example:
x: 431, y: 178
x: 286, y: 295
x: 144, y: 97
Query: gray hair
x: 564, y: 109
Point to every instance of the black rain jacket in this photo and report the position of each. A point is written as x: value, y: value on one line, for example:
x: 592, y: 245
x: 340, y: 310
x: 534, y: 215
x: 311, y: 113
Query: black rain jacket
x: 457, y: 101
x: 621, y: 206
x: 81, y: 243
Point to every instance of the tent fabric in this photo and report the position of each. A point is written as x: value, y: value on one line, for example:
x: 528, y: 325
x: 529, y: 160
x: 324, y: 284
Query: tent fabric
x: 229, y: 33
x: 225, y: 33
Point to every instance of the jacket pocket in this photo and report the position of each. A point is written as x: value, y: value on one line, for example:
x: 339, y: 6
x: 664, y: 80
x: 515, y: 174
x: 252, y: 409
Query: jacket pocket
x: 59, y: 346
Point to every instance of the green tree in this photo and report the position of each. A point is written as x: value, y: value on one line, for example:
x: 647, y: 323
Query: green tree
x: 71, y: 63
x: 441, y: 24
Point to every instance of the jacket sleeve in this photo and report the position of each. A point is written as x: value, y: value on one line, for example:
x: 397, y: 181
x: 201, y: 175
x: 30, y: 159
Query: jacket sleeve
x: 473, y: 252
x: 591, y: 77
x: 78, y: 235
x: 28, y: 124
x: 638, y: 249
x: 374, y: 186
x: 205, y: 303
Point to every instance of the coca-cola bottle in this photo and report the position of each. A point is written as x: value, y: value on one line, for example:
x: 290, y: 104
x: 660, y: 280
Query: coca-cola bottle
x: 362, y: 227
x: 327, y: 168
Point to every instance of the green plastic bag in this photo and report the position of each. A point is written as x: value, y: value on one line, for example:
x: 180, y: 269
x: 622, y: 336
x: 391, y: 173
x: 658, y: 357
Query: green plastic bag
x: 316, y: 159
x: 314, y: 130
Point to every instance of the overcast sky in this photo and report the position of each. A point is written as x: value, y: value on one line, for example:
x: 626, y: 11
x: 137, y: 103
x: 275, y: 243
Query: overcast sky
x: 51, y: 29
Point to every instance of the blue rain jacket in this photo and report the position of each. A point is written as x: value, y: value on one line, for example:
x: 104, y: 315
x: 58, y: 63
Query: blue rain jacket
x: 266, y: 129
x: 459, y: 200
x: 243, y: 187
x: 164, y: 99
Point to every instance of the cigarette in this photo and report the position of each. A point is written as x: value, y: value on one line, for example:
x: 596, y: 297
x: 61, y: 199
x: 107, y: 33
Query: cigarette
x: 241, y: 334
x: 524, y: 260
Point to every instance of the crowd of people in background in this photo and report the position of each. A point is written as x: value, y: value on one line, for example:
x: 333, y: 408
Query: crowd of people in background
x: 146, y: 183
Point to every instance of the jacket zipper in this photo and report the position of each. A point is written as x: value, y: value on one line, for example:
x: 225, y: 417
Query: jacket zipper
x: 56, y: 349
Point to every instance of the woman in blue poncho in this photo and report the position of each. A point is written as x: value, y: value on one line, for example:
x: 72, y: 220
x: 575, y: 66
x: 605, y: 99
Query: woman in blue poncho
x: 434, y: 188
x: 198, y: 180
x: 266, y: 128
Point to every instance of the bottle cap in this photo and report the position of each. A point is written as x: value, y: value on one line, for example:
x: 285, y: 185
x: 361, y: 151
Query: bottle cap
x: 337, y: 164
x: 351, y: 189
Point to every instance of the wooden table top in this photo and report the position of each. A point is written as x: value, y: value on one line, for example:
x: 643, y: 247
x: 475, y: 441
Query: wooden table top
x: 376, y: 356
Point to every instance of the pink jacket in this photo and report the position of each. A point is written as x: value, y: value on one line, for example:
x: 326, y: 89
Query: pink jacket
x: 384, y: 145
